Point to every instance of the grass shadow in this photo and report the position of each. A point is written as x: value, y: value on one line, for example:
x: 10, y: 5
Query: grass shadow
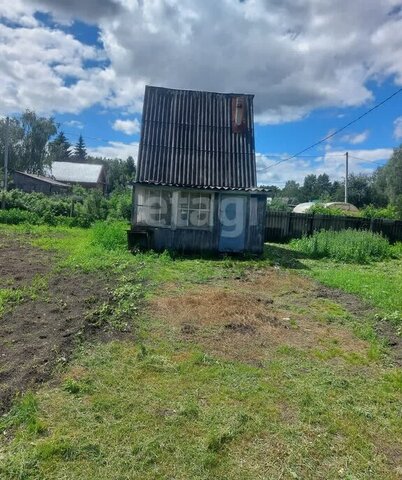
x: 285, y: 257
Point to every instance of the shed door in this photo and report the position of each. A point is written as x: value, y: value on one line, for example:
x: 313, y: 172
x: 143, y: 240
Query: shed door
x: 232, y: 217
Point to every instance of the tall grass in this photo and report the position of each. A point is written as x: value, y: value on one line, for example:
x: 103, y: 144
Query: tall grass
x: 110, y: 235
x: 346, y: 246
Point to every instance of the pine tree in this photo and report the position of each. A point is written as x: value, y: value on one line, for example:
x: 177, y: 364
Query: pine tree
x: 60, y: 148
x: 80, y: 151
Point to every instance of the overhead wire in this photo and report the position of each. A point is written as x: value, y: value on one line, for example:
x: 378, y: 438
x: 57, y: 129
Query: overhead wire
x: 298, y: 154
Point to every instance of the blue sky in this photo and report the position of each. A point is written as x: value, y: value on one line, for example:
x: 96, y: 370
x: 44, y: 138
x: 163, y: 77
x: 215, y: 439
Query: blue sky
x: 312, y: 66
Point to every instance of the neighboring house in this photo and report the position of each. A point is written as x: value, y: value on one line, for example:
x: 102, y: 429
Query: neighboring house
x: 29, y: 182
x: 88, y: 175
x: 196, y: 186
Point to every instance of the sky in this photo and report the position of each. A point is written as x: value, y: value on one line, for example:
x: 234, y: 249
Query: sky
x: 313, y: 66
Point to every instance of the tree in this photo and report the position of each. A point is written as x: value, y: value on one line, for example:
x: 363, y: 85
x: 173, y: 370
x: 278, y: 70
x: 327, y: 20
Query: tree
x: 390, y: 178
x: 80, y: 151
x: 309, y: 189
x: 360, y: 190
x: 130, y: 168
x: 15, y: 137
x: 60, y: 148
x: 291, y: 190
x: 36, y: 134
x: 120, y: 173
x: 323, y: 187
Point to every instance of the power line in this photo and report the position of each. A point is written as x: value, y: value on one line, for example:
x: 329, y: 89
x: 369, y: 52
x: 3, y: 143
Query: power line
x: 367, y: 161
x: 336, y: 131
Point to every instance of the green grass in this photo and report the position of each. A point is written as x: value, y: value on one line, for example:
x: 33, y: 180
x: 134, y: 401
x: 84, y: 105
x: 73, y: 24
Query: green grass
x: 174, y: 413
x: 378, y: 283
x: 10, y: 296
x: 158, y: 407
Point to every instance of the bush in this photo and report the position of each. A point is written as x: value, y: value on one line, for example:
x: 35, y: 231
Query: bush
x: 346, y: 245
x: 89, y: 206
x: 320, y: 209
x: 15, y: 216
x: 390, y: 212
x: 110, y: 235
x: 120, y: 204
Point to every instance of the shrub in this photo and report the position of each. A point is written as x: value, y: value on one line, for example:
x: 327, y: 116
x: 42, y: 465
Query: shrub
x: 346, y: 245
x: 119, y: 205
x: 109, y: 235
x: 15, y: 216
x: 320, y: 209
x: 390, y: 212
x: 89, y: 206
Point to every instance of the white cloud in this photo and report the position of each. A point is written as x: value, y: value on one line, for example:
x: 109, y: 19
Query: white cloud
x: 295, y: 56
x: 356, y: 138
x: 129, y: 127
x: 44, y: 70
x: 331, y: 162
x: 115, y: 150
x: 74, y: 124
x: 398, y: 128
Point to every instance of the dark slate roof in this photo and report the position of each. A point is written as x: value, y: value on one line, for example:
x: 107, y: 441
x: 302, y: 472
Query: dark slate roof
x: 41, y: 178
x: 187, y: 139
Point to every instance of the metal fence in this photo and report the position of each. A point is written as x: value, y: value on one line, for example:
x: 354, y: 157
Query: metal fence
x: 282, y: 226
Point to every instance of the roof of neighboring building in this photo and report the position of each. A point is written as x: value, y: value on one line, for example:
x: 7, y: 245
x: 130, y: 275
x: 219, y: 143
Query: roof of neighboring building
x: 41, y: 178
x: 347, y: 207
x: 303, y: 207
x: 76, y: 172
x: 188, y: 139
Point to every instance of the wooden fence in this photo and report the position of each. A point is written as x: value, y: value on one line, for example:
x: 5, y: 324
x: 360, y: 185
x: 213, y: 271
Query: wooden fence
x: 282, y: 226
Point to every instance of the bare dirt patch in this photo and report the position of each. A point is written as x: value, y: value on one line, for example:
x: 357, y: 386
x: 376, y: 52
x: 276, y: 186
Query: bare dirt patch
x: 37, y: 335
x: 247, y: 319
x: 20, y: 262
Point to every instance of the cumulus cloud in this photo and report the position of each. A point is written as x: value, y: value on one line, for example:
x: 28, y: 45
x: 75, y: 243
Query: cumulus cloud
x: 74, y: 124
x: 332, y: 162
x: 294, y: 56
x: 398, y: 128
x: 129, y: 127
x: 115, y: 150
x: 44, y: 69
x: 356, y: 138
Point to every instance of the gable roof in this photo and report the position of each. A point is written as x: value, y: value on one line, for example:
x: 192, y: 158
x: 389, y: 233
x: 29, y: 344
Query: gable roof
x: 76, y: 172
x: 41, y: 178
x: 188, y: 139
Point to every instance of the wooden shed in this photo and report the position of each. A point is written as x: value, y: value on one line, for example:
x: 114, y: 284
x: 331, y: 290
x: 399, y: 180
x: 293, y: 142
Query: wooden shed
x: 196, y: 188
x: 28, y: 182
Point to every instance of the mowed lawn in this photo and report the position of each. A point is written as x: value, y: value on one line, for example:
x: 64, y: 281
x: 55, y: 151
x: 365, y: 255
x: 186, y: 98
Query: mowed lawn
x: 233, y: 369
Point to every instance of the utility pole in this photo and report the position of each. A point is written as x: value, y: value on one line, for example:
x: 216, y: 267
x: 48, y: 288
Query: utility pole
x: 346, y: 176
x: 6, y: 142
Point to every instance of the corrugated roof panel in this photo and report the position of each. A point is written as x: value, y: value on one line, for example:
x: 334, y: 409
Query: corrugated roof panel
x: 188, y: 139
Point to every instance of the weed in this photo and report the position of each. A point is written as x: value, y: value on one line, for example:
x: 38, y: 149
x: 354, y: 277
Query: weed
x: 109, y: 235
x: 345, y: 246
x: 24, y: 413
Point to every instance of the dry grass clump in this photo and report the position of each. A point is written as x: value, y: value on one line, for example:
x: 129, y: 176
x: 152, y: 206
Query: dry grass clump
x: 248, y: 320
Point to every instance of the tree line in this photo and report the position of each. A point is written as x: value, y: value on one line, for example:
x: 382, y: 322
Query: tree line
x: 380, y: 189
x: 35, y: 142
